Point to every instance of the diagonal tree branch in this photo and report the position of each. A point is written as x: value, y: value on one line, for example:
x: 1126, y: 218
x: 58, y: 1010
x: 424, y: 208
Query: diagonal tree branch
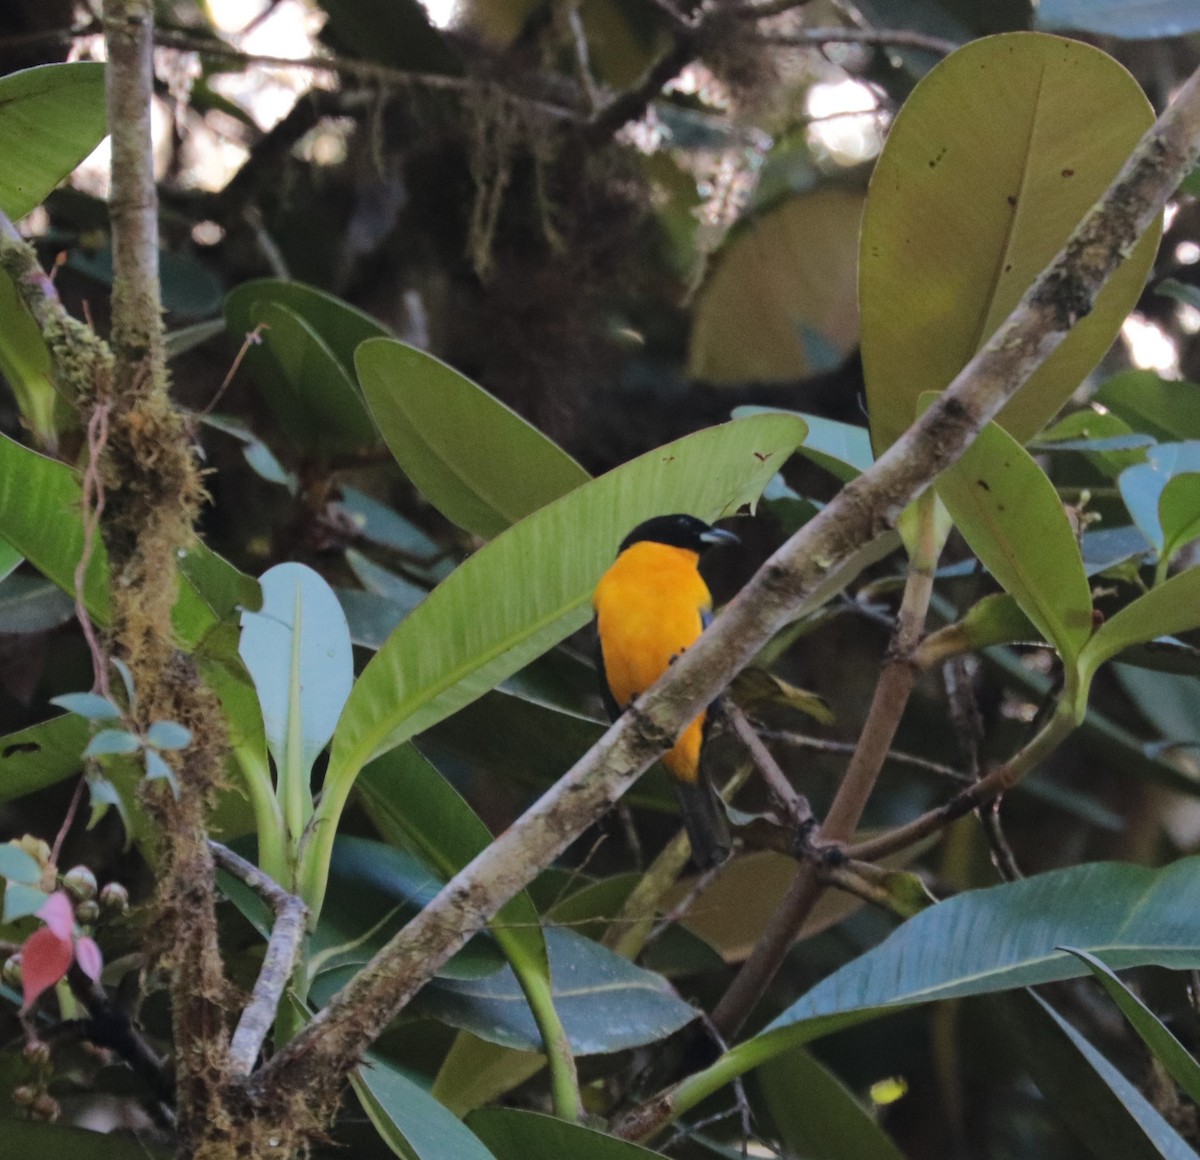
x: 1063, y: 294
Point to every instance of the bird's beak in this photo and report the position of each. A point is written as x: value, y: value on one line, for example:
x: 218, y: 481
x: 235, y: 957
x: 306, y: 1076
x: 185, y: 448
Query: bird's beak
x: 718, y: 536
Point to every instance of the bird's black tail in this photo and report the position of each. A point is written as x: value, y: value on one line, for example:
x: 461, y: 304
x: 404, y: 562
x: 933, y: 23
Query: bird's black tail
x: 705, y: 820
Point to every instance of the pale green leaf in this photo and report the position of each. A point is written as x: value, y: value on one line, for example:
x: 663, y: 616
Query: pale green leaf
x: 478, y: 462
x: 992, y: 161
x: 410, y: 1121
x: 1011, y: 516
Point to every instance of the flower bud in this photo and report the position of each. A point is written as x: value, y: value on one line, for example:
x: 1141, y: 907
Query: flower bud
x: 80, y: 883
x: 45, y: 1107
x: 87, y: 912
x: 10, y: 973
x: 37, y: 1053
x: 115, y: 898
x: 24, y: 1095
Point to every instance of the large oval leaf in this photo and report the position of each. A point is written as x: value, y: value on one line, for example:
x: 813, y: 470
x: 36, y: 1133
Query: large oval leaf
x: 314, y: 397
x: 989, y: 940
x: 1010, y: 514
x: 478, y: 462
x: 993, y: 160
x: 781, y: 303
x: 341, y: 326
x: 605, y: 1002
x: 51, y: 118
x: 297, y: 650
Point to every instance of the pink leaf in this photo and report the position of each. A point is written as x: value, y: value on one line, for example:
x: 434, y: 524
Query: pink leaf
x: 44, y: 960
x: 89, y: 958
x: 58, y: 914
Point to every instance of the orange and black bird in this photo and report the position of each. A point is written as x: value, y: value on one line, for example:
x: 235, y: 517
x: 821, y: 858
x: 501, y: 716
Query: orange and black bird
x: 650, y: 606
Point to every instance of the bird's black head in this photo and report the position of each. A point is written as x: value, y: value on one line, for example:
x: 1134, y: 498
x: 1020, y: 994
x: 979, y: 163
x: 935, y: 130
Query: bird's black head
x: 679, y: 531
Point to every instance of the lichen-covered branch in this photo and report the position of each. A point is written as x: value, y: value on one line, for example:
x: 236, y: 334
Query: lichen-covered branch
x: 153, y: 495
x: 283, y: 951
x: 870, y: 505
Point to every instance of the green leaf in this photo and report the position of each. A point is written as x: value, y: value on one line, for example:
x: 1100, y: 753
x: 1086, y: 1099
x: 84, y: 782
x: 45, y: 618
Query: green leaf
x: 17, y: 865
x: 371, y: 618
x: 384, y: 582
x: 1180, y: 1065
x: 414, y: 805
x: 411, y: 1122
x: 51, y: 118
x: 478, y: 462
x: 1179, y: 291
x: 25, y: 364
x: 605, y: 1002
x: 379, y: 524
x: 1164, y: 408
x: 1168, y: 608
x: 1011, y: 516
x: 1109, y: 443
x: 417, y: 808
x: 1142, y: 487
x: 374, y: 888
x: 32, y: 1138
x: 169, y: 735
x: 90, y: 705
x: 843, y: 449
x: 32, y: 604
x: 1131, y: 19
x: 297, y: 650
x: 994, y: 158
x: 530, y: 588
x: 817, y: 1116
x: 41, y: 755
x: 158, y: 769
x: 785, y: 277
x: 1097, y: 1103
x: 989, y: 940
x: 341, y: 326
x: 1179, y: 512
x: 513, y: 1134
x: 315, y: 400
x: 110, y: 741
x: 40, y: 502
x: 20, y: 901
x: 475, y: 1073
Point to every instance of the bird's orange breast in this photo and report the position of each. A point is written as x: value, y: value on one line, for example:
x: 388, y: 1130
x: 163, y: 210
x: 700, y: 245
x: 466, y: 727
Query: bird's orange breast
x: 649, y: 608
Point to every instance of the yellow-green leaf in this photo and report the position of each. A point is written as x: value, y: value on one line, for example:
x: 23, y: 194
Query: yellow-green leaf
x: 995, y: 157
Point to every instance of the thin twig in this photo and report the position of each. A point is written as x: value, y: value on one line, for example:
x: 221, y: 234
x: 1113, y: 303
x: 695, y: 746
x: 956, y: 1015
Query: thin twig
x: 92, y: 509
x: 632, y: 104
x: 978, y: 794
x: 68, y: 818
x: 283, y: 951
x: 362, y: 70
x: 792, y: 805
x: 896, y: 756
x: 873, y: 37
